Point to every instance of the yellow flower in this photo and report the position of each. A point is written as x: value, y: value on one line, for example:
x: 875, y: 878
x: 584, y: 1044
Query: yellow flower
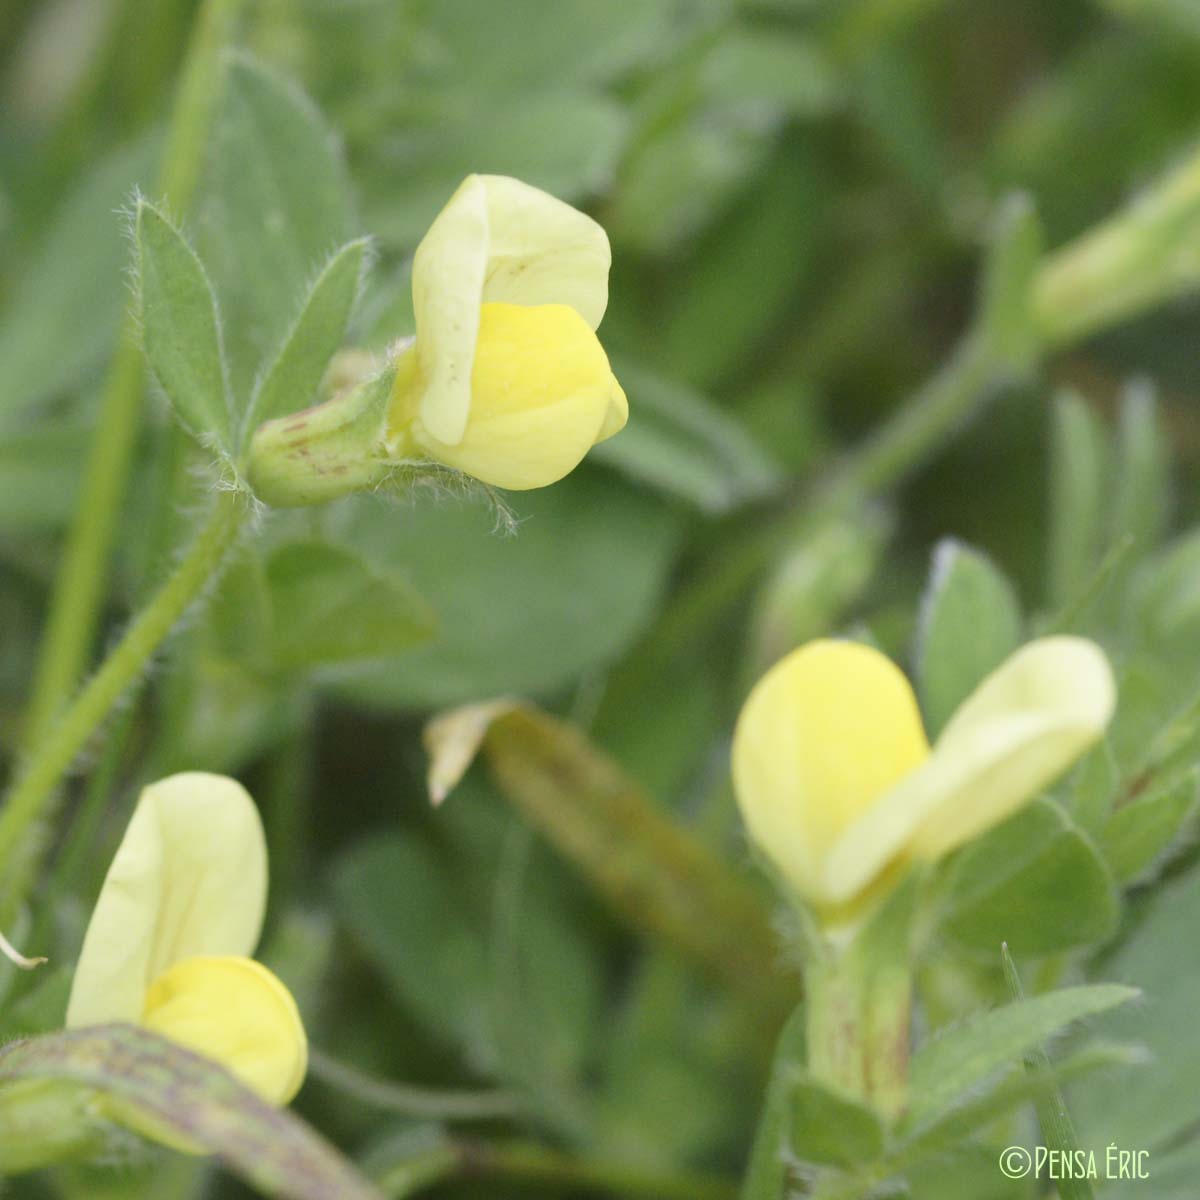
x: 169, y: 941
x: 839, y: 787
x: 507, y: 380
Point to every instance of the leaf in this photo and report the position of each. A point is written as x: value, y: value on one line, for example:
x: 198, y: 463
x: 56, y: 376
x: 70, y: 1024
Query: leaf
x: 1166, y: 600
x: 275, y: 202
x: 418, y: 929
x: 528, y: 613
x: 654, y: 873
x: 1078, y: 475
x: 1036, y: 881
x: 566, y: 143
x: 965, y: 1056
x: 1152, y: 1107
x: 146, y: 1078
x: 832, y: 1128
x: 64, y: 301
x: 669, y: 1092
x: 970, y: 623
x: 180, y: 329
x: 329, y: 605
x: 929, y: 1135
x: 486, y: 948
x: 682, y: 444
x: 1058, y: 1133
x: 1140, y: 834
x: 1006, y: 313
x: 1141, y: 503
x: 291, y: 382
x: 766, y: 1175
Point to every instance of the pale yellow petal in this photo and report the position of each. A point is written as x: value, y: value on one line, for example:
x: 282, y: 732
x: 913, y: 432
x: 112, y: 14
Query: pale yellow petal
x: 824, y: 734
x: 1032, y: 718
x: 541, y: 392
x: 235, y: 1011
x: 497, y: 240
x: 189, y: 878
x: 1025, y: 724
x: 617, y: 415
x: 543, y: 251
x: 449, y: 269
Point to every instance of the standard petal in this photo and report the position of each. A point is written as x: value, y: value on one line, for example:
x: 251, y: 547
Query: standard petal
x: 541, y: 392
x: 189, y: 878
x: 823, y: 735
x: 448, y: 282
x: 1019, y: 730
x: 233, y: 1010
x: 543, y: 251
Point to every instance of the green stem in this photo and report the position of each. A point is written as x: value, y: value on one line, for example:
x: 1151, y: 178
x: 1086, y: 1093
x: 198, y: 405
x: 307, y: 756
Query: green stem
x: 428, y: 1104
x: 31, y: 799
x: 425, y: 1166
x: 75, y: 604
x: 527, y: 1162
x: 918, y: 427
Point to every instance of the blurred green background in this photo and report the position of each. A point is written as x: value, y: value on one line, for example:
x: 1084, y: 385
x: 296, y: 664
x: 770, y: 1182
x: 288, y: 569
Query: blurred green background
x: 797, y: 193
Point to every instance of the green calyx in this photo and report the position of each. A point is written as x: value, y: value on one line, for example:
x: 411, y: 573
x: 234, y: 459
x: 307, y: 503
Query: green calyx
x: 330, y: 450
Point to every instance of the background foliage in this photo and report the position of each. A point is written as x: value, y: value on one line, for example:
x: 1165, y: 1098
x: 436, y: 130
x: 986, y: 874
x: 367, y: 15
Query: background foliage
x: 799, y: 195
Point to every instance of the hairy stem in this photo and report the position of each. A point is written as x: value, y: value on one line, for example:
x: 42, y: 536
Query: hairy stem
x: 31, y: 800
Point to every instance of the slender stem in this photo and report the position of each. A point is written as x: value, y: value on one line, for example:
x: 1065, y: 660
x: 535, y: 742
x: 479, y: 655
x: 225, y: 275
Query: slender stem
x: 530, y: 1163
x: 75, y: 604
x: 918, y: 427
x: 429, y: 1104
x: 31, y: 799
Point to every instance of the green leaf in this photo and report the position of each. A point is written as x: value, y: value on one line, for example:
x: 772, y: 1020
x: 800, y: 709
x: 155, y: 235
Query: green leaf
x: 180, y: 329
x: 832, y: 1128
x: 292, y: 380
x: 564, y: 142
x: 1036, y: 882
x: 1078, y: 488
x: 766, y: 1175
x: 668, y: 1092
x: 970, y: 623
x: 964, y: 1057
x: 527, y: 613
x: 1006, y: 316
x: 64, y: 301
x: 929, y: 1134
x: 485, y: 947
x: 1141, y: 503
x: 1058, y: 1132
x: 150, y: 1081
x: 682, y: 444
x: 419, y: 930
x: 1152, y: 1107
x: 1166, y: 601
x: 275, y: 201
x: 1140, y: 834
x: 329, y: 605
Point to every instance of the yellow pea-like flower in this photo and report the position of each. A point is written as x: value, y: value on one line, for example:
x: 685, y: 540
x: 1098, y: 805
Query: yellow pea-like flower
x: 170, y: 941
x: 839, y: 787
x: 506, y: 379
